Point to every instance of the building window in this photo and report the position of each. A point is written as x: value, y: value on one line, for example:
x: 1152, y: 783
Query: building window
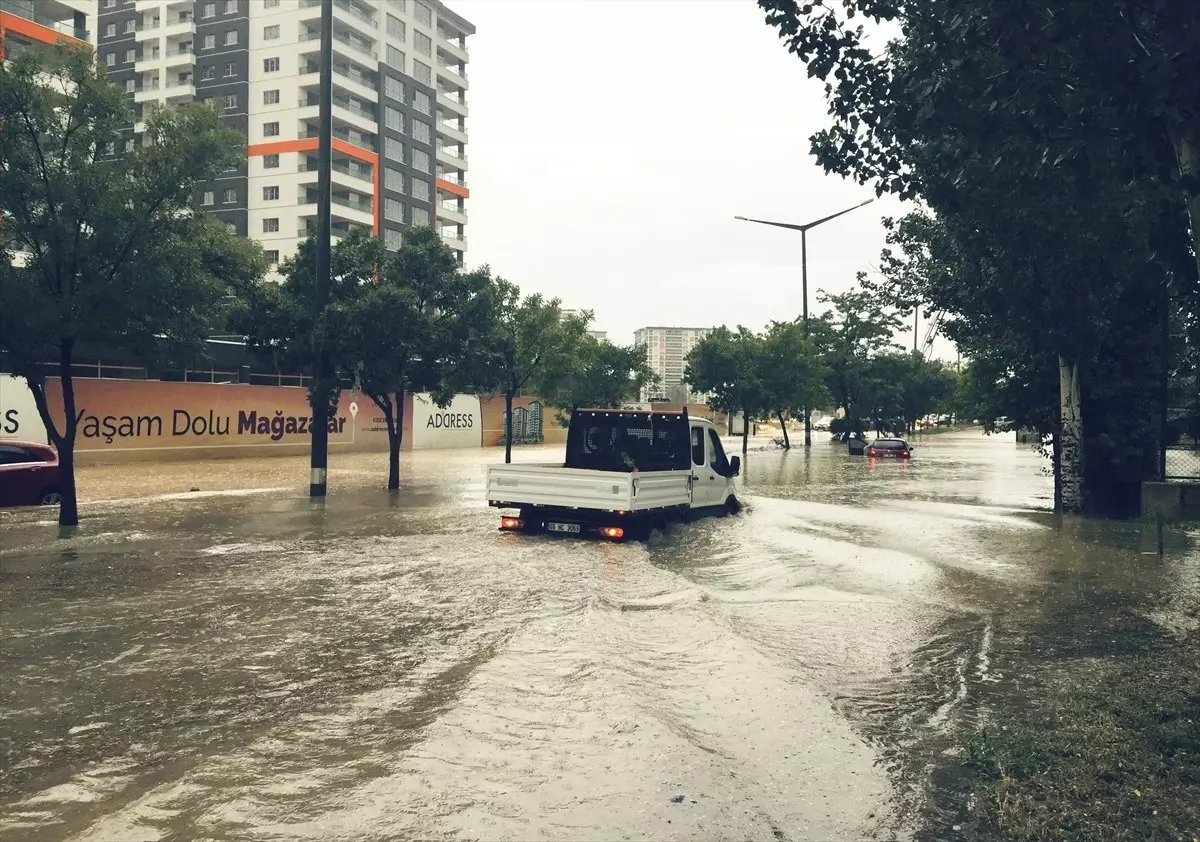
x: 231, y: 227
x: 207, y: 74
x: 130, y: 26
x: 392, y: 239
x: 271, y: 225
x: 272, y: 256
x: 210, y: 42
x: 422, y: 131
x: 230, y: 70
x: 420, y: 218
x: 130, y: 85
x: 229, y: 196
x: 210, y: 10
x: 130, y: 56
x: 393, y: 180
x: 395, y: 58
x: 393, y: 149
x: 231, y: 38
x: 271, y: 97
x: 110, y: 59
x: 230, y: 101
x: 129, y: 144
x: 393, y: 119
x: 402, y: 5
x: 393, y: 210
x: 271, y: 65
x: 422, y: 102
x: 210, y: 198
x: 270, y: 194
x: 424, y: 13
x: 110, y: 30
x: 422, y: 73
x: 270, y: 4
x: 422, y: 43
x: 231, y: 7
x: 110, y: 4
x: 420, y: 190
x: 395, y: 28
x: 270, y: 162
x: 271, y: 129
x: 271, y: 33
x: 393, y: 88
x: 420, y: 161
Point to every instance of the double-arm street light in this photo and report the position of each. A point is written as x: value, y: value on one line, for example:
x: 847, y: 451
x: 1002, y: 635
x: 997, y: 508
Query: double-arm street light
x: 804, y: 229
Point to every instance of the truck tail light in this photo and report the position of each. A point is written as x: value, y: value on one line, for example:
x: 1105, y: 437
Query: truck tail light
x: 612, y: 532
x: 511, y: 523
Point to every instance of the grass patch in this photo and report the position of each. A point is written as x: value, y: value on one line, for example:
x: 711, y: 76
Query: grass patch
x: 1103, y: 749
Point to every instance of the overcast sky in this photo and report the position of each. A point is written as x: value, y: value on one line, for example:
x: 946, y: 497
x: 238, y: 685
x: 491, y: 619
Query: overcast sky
x: 613, y: 141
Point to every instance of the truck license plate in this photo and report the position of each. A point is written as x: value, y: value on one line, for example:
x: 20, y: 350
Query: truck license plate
x: 572, y: 528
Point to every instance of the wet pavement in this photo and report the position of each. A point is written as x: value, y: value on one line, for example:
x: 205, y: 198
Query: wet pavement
x: 234, y: 663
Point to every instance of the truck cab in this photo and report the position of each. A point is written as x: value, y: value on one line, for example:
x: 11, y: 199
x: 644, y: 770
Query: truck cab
x: 625, y: 473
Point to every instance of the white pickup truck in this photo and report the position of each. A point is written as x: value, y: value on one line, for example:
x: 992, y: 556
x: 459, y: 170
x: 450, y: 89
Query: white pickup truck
x: 626, y: 472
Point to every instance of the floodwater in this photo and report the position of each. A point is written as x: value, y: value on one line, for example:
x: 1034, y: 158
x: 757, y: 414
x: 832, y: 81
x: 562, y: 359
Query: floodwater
x: 235, y: 663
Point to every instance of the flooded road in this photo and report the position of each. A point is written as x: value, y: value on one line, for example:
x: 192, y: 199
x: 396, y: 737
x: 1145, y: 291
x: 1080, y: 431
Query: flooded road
x: 239, y: 664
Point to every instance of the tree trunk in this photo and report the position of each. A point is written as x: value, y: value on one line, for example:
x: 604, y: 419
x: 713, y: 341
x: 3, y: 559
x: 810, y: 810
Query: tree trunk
x: 1187, y: 149
x: 393, y: 415
x: 64, y: 442
x: 745, y: 431
x: 787, y: 443
x: 508, y: 427
x: 1071, y: 427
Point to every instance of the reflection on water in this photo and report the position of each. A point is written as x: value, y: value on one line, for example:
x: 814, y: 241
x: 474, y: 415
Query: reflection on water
x: 246, y: 665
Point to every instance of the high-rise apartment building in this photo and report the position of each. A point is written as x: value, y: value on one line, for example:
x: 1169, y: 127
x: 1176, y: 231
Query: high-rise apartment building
x: 399, y: 107
x: 666, y: 351
x: 27, y: 22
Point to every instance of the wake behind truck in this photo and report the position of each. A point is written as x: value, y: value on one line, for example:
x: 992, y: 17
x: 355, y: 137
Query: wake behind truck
x: 626, y: 473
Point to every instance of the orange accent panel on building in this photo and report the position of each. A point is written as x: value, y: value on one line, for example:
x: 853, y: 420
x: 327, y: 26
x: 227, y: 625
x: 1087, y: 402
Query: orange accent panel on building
x: 451, y: 187
x: 304, y: 145
x: 23, y: 26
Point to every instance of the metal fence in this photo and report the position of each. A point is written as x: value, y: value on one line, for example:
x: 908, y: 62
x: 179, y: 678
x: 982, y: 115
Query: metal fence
x: 1181, y: 444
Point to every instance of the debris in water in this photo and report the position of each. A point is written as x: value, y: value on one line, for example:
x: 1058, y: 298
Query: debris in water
x: 676, y: 799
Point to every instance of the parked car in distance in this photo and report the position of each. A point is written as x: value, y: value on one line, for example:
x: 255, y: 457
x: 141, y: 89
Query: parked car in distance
x: 28, y: 474
x: 823, y: 423
x: 889, y: 449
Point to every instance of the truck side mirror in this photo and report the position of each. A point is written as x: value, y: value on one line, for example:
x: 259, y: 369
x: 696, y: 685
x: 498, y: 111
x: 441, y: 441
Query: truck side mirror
x: 735, y: 466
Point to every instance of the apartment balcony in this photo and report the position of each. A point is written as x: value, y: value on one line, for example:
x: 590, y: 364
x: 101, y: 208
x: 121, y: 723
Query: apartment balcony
x: 148, y: 92
x: 50, y: 14
x: 353, y: 12
x: 346, y: 173
x: 354, y: 112
x: 178, y: 91
x: 452, y: 102
x: 178, y: 27
x: 451, y: 75
x: 347, y: 37
x: 362, y: 140
x: 346, y: 203
x: 339, y: 229
x: 357, y: 81
x: 450, y: 212
x: 455, y: 242
x: 451, y: 44
x: 450, y: 131
x: 451, y: 159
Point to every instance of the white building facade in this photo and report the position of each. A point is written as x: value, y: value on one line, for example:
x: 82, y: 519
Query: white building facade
x: 666, y: 352
x: 399, y: 107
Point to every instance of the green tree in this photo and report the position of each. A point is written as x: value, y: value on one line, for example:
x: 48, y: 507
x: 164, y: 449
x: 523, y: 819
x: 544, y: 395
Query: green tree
x: 528, y: 342
x: 906, y: 387
x: 410, y: 331
x: 1052, y: 145
x: 100, y: 249
x: 726, y: 365
x: 858, y: 327
x: 280, y: 323
x: 601, y: 375
x: 792, y: 372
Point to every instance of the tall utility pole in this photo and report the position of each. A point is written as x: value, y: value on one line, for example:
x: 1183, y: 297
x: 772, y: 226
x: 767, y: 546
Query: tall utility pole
x: 804, y: 229
x: 319, y: 461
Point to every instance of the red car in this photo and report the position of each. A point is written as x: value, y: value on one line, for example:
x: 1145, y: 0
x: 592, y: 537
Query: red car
x: 28, y: 474
x: 889, y: 449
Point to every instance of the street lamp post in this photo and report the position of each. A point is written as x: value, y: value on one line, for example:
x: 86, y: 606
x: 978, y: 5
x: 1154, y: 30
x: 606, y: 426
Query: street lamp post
x: 804, y: 229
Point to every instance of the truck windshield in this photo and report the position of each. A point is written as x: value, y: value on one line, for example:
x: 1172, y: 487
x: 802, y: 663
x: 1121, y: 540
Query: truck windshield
x: 625, y: 441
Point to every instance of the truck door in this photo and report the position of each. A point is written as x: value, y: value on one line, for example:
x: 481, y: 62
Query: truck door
x: 708, y: 489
